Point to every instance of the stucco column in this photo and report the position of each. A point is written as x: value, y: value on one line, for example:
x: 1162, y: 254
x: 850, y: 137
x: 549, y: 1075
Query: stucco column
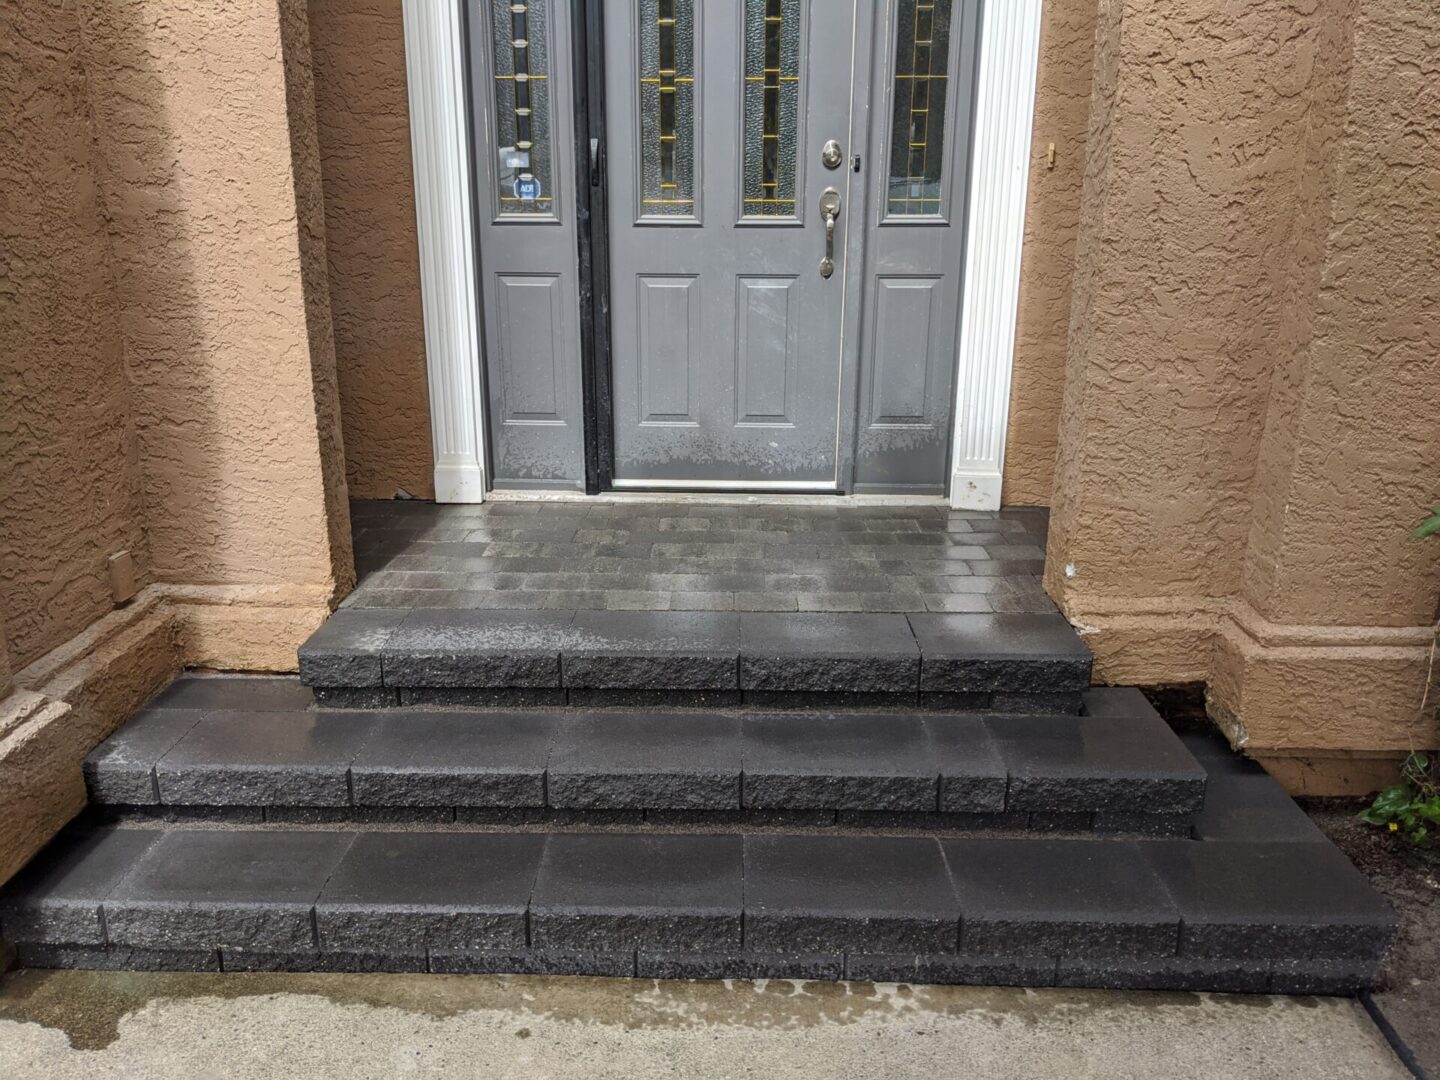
x: 1251, y: 395
x: 208, y: 167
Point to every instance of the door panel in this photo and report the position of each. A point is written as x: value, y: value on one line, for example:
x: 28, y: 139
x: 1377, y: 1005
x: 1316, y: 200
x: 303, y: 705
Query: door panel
x: 523, y: 128
x: 915, y: 243
x: 669, y: 320
x: 717, y: 114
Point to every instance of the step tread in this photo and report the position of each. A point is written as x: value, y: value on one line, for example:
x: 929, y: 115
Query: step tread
x: 1123, y: 760
x: 1192, y: 914
x: 756, y: 652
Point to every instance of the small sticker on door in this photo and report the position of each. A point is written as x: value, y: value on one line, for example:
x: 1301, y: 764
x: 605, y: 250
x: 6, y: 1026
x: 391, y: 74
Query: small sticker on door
x: 527, y: 187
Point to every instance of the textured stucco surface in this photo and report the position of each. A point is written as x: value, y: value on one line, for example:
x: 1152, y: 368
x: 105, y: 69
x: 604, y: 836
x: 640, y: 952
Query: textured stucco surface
x: 364, y: 127
x: 1252, y: 397
x: 1052, y: 221
x: 199, y: 186
x: 69, y: 475
x: 167, y: 369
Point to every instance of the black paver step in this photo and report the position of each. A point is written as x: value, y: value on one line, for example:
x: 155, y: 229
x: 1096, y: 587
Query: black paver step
x: 1012, y: 662
x: 1181, y: 914
x: 237, y: 747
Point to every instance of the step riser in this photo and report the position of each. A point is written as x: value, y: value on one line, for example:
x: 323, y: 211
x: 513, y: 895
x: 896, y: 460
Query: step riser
x: 848, y: 821
x: 1194, y: 976
x: 947, y: 661
x: 1170, y: 914
x: 1065, y: 702
x: 1113, y: 771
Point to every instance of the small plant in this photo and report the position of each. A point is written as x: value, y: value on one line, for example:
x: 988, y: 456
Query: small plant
x: 1411, y: 807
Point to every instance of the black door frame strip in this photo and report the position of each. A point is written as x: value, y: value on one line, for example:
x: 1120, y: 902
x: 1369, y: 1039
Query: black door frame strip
x: 592, y: 202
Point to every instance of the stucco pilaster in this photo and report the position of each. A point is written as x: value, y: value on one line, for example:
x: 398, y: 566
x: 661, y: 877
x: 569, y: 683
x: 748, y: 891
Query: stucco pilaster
x: 208, y: 172
x: 1253, y: 377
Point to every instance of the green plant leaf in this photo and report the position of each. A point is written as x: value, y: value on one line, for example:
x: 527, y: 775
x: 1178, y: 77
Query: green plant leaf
x: 1393, y: 799
x: 1430, y: 526
x: 1371, y: 816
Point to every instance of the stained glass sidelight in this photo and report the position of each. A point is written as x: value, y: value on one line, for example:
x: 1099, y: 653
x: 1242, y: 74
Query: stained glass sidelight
x: 522, y: 107
x: 917, y: 133
x: 667, y: 108
x: 772, y: 106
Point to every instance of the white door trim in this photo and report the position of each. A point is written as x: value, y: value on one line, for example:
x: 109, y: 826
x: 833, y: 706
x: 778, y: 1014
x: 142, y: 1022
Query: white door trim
x: 999, y: 179
x: 440, y: 145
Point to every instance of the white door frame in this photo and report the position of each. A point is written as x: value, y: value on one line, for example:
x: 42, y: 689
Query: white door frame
x: 999, y: 179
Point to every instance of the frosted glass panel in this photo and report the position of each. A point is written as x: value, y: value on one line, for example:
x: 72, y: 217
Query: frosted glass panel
x: 522, y: 107
x: 917, y: 132
x: 667, y: 108
x: 772, y: 106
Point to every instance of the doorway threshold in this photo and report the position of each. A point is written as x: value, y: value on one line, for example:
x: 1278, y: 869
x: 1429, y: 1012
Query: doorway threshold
x: 715, y: 498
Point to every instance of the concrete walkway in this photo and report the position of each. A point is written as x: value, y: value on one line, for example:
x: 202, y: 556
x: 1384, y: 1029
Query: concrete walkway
x: 116, y: 1025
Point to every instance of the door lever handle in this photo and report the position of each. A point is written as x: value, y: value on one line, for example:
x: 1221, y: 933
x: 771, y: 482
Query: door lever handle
x: 830, y: 211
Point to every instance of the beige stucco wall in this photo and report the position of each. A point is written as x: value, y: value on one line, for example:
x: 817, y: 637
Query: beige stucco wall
x: 168, y: 369
x: 364, y: 127
x: 70, y: 480
x: 1052, y: 219
x: 1251, y: 420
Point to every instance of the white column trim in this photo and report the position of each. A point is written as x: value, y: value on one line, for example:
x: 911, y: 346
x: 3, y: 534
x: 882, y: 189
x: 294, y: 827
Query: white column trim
x: 999, y: 180
x: 440, y: 148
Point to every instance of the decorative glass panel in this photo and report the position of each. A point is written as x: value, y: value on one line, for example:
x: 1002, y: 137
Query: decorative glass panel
x: 772, y: 106
x: 917, y: 133
x: 522, y: 107
x: 667, y: 108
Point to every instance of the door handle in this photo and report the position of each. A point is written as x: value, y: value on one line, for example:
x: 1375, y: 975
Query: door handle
x: 830, y: 211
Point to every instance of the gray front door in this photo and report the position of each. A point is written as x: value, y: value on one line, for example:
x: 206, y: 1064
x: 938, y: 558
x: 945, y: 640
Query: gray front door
x: 727, y: 341
x: 524, y: 116
x: 737, y: 360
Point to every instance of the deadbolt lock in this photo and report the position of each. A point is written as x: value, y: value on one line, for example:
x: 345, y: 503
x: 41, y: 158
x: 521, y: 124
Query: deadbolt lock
x: 831, y: 155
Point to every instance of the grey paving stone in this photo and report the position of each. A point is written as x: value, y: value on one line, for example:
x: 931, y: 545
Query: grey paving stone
x: 449, y: 648
x: 116, y: 958
x: 614, y: 965
x: 604, y: 892
x: 346, y: 650
x: 218, y: 889
x: 1272, y: 901
x: 1344, y: 977
x: 1242, y: 801
x: 356, y: 697
x: 259, y: 759
x: 396, y: 892
x: 122, y: 768
x: 360, y: 963
x: 740, y: 965
x: 839, y: 761
x: 958, y: 970
x: 1061, y: 897
x: 1009, y: 652
x: 254, y: 692
x: 848, y: 893
x: 827, y: 652
x: 57, y: 898
x: 1066, y: 702
x: 972, y: 775
x: 652, y: 650
x: 1166, y: 973
x: 587, y: 698
x: 1097, y: 763
x: 689, y: 761
x: 505, y: 697
x: 1175, y: 826
x: 453, y: 759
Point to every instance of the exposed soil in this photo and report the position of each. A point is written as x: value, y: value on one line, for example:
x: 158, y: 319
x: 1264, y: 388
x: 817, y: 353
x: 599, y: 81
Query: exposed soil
x: 1410, y: 878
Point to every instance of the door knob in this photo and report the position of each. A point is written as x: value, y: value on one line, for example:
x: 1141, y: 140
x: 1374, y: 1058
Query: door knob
x: 829, y: 211
x: 831, y: 155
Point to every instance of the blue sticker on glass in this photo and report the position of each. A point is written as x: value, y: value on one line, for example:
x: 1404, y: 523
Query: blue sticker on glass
x: 527, y: 187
